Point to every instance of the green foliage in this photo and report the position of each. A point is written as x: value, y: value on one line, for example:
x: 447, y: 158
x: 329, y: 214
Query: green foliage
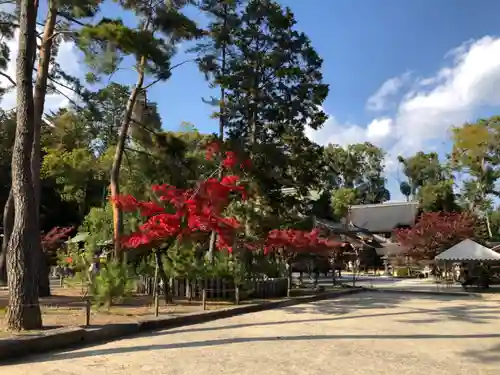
x: 438, y: 197
x: 422, y: 168
x: 72, y: 171
x: 342, y: 199
x: 103, y: 115
x: 114, y: 281
x: 405, y: 189
x: 271, y: 79
x: 476, y: 153
x: 99, y: 224
x: 429, y: 181
x: 161, y: 26
x: 183, y: 261
x: 358, y: 168
x: 146, y: 266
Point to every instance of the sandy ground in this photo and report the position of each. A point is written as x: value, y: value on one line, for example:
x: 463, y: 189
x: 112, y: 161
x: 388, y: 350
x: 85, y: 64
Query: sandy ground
x: 66, y: 308
x: 368, y: 333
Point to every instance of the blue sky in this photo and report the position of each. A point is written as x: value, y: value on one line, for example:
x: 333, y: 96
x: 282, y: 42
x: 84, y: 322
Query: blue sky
x: 426, y: 65
x: 363, y: 43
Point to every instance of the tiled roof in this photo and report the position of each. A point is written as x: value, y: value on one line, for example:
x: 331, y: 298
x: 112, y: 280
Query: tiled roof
x: 313, y: 194
x: 383, y: 217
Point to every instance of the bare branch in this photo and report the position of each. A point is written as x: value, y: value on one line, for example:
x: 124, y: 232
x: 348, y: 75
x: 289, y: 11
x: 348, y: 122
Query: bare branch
x: 171, y: 68
x: 60, y: 32
x: 63, y: 85
x: 143, y: 126
x: 69, y: 18
x: 141, y: 152
x: 5, y: 75
x: 52, y: 87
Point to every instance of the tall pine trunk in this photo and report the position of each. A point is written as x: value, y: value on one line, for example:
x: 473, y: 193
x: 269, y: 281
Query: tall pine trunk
x: 117, y: 160
x: 8, y: 222
x: 36, y: 160
x: 23, y: 310
x: 222, y: 111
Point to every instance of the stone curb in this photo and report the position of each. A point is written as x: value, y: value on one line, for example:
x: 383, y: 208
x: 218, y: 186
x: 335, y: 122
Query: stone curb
x: 63, y: 338
x: 424, y: 292
x: 22, y: 345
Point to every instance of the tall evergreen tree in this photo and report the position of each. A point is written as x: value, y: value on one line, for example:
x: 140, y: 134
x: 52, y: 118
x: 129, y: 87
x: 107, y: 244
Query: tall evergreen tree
x: 152, y: 44
x: 47, y: 80
x: 214, y: 53
x: 273, y: 88
x: 24, y: 310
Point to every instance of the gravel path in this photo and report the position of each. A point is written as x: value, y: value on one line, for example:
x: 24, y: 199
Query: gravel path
x: 369, y: 333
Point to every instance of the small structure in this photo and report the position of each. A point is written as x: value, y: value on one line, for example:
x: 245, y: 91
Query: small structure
x: 472, y: 257
x: 467, y: 251
x: 384, y: 217
x: 365, y: 247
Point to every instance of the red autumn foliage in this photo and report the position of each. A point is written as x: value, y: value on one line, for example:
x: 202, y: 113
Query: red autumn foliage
x: 185, y: 213
x: 436, y: 232
x: 295, y: 241
x: 196, y: 210
x: 231, y: 159
x: 53, y: 239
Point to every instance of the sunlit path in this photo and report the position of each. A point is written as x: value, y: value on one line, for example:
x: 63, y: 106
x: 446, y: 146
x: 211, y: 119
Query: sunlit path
x: 360, y: 334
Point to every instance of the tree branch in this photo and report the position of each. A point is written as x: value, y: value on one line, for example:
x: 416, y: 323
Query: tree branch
x: 141, y: 152
x: 143, y: 126
x: 171, y: 68
x: 69, y: 18
x: 62, y: 85
x: 52, y: 87
x: 5, y: 75
x: 60, y: 32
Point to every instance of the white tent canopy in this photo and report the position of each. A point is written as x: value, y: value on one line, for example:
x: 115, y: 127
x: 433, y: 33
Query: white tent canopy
x: 468, y: 250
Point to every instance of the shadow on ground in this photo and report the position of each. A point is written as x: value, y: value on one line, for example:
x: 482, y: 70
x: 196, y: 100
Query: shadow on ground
x: 244, y: 340
x: 491, y: 355
x: 467, y: 308
x: 404, y: 307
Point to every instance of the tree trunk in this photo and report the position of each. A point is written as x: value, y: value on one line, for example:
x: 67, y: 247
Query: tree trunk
x: 39, y: 104
x: 24, y: 310
x: 164, y: 278
x: 3, y: 269
x: 222, y: 118
x: 117, y: 160
x: 289, y: 278
x: 8, y: 222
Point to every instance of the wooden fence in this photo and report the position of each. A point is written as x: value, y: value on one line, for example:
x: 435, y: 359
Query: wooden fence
x: 219, y: 289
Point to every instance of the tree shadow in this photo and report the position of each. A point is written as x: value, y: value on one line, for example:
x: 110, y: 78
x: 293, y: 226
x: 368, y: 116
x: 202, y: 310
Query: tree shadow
x: 355, y: 306
x: 491, y: 355
x: 245, y: 340
x: 475, y: 311
x: 283, y: 322
x: 460, y: 313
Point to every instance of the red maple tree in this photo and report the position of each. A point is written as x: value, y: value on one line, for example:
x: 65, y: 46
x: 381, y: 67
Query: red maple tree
x: 296, y: 241
x: 185, y: 213
x: 54, y: 238
x: 434, y: 233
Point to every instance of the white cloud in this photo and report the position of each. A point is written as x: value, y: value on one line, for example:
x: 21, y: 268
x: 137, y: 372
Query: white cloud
x: 376, y: 132
x: 381, y: 99
x: 68, y: 59
x: 431, y: 105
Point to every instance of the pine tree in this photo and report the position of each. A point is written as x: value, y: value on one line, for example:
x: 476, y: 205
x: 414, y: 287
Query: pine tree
x: 214, y: 53
x: 273, y: 87
x: 152, y: 44
x: 24, y: 310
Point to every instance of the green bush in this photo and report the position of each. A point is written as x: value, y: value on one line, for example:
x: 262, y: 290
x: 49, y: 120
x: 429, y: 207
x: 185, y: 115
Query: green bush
x: 114, y: 281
